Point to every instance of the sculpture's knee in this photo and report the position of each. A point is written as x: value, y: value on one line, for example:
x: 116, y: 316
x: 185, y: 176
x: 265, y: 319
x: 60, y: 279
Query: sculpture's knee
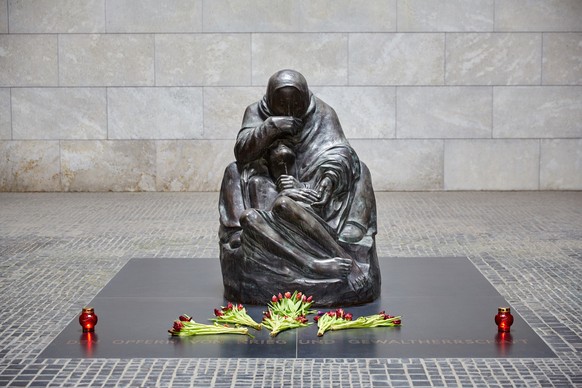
x: 283, y: 205
x: 249, y: 218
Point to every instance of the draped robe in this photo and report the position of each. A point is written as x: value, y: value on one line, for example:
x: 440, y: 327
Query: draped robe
x: 252, y: 273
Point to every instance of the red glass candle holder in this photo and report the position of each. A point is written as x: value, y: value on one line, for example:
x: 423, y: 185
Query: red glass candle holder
x: 503, y: 319
x: 88, y: 319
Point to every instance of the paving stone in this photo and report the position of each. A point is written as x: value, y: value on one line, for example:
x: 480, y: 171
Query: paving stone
x: 58, y: 250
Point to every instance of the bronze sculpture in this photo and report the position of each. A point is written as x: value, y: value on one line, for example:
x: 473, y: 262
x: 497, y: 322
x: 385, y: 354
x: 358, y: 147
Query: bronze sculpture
x: 297, y: 208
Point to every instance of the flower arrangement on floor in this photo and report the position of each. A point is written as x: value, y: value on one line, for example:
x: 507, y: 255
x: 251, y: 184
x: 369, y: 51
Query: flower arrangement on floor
x: 235, y: 314
x: 287, y: 311
x: 340, y: 320
x: 186, y: 326
x: 284, y: 312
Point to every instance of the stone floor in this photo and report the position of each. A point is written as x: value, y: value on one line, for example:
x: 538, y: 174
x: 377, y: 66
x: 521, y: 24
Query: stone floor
x: 58, y: 250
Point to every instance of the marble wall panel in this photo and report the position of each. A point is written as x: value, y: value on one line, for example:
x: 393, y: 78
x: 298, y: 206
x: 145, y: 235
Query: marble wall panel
x: 538, y: 15
x: 364, y: 112
x: 29, y: 166
x: 444, y: 112
x: 204, y: 59
x: 28, y: 60
x: 493, y: 59
x: 192, y: 165
x: 348, y: 15
x: 106, y: 60
x: 537, y: 111
x: 396, y: 59
x: 403, y: 164
x: 224, y: 108
x: 251, y: 16
x: 57, y: 16
x: 562, y: 61
x: 155, y: 113
x: 561, y: 164
x: 449, y: 15
x: 101, y: 165
x: 321, y: 58
x: 5, y: 115
x: 59, y: 113
x: 3, y: 16
x: 491, y: 164
x: 154, y: 16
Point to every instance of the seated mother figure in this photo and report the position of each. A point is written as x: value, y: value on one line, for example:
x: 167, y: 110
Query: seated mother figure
x: 297, y: 208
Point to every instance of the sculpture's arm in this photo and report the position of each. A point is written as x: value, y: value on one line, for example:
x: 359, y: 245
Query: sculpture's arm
x: 251, y: 141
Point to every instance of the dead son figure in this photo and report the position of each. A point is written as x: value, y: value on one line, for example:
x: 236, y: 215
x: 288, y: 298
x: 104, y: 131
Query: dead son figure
x: 297, y: 208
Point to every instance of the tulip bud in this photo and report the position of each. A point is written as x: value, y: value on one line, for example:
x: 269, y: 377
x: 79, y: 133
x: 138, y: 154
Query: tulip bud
x: 303, y: 298
x: 348, y: 317
x: 397, y: 321
x: 178, y: 325
x: 309, y: 298
x: 274, y: 299
x: 240, y: 306
x: 299, y: 295
x: 228, y: 306
x: 185, y: 318
x: 280, y: 296
x: 287, y: 295
x: 218, y: 313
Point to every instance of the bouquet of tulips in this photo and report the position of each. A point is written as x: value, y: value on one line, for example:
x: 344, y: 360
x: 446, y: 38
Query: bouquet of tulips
x: 235, y: 314
x: 284, y: 312
x: 340, y: 320
x: 287, y: 311
x: 186, y: 326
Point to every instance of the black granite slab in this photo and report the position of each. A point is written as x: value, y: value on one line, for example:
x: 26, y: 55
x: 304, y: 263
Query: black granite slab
x: 447, y: 306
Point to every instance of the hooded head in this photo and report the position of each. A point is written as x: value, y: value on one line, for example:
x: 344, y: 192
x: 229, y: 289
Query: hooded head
x: 287, y: 94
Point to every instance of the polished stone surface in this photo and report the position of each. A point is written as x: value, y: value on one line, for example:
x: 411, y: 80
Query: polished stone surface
x: 446, y: 304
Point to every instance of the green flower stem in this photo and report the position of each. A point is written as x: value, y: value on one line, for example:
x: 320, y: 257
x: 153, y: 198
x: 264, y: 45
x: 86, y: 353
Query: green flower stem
x: 237, y: 317
x: 194, y: 328
x: 278, y: 324
x: 324, y: 324
x: 327, y: 322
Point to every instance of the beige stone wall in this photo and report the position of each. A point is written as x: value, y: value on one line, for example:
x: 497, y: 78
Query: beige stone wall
x: 148, y: 95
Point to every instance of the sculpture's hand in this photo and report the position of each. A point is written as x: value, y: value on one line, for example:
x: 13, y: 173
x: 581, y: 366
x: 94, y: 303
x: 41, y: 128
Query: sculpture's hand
x: 285, y: 182
x: 324, y: 190
x: 286, y: 125
x: 307, y: 196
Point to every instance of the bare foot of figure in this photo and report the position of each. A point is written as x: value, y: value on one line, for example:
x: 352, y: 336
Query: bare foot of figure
x: 357, y: 279
x: 336, y: 267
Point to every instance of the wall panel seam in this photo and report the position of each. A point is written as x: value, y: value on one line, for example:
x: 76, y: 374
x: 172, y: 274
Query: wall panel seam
x: 539, y: 164
x: 11, y: 116
x: 542, y: 60
x: 8, y: 15
x: 492, y: 111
